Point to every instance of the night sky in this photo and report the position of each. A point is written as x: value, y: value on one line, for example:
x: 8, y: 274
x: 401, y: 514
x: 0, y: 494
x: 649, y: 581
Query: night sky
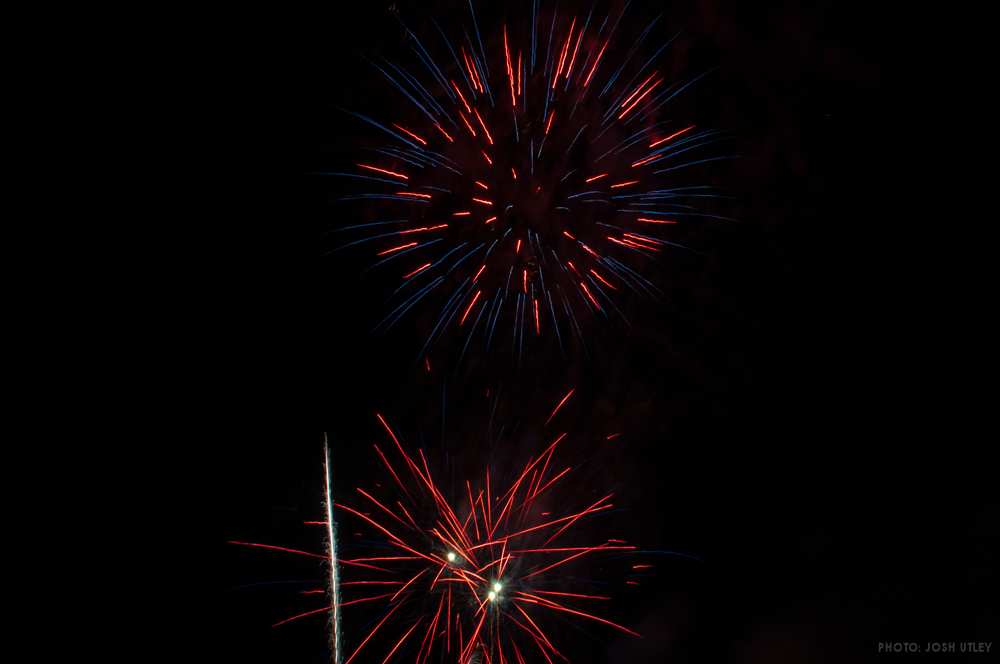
x: 767, y: 427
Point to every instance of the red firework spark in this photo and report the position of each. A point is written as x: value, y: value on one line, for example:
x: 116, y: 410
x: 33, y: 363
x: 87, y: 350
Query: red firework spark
x: 478, y: 570
x: 561, y: 119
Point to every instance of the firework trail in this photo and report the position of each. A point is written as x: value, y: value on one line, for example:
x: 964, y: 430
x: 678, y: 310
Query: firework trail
x: 528, y: 179
x: 474, y: 573
x: 331, y: 529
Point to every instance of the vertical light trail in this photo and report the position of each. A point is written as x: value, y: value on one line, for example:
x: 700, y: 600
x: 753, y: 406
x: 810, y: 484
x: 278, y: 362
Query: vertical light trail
x: 332, y: 539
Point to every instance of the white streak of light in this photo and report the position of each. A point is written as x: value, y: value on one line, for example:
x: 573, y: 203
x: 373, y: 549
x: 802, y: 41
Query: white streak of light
x: 334, y: 581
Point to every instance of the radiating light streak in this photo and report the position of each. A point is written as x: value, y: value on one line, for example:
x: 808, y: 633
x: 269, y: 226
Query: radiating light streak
x: 558, y: 607
x: 602, y: 279
x: 589, y: 296
x: 639, y: 99
x: 469, y: 308
x: 443, y: 132
x: 400, y: 642
x: 468, y: 125
x: 280, y: 548
x: 393, y: 250
x: 562, y: 402
x: 322, y: 609
x: 562, y: 57
x: 674, y: 135
x: 468, y: 109
x: 510, y: 71
x: 638, y: 90
x: 482, y: 124
x: 372, y: 633
x: 410, y: 134
x: 596, y: 62
x: 385, y: 171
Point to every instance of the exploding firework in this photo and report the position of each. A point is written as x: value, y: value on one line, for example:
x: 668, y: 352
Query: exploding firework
x: 529, y: 177
x: 474, y: 571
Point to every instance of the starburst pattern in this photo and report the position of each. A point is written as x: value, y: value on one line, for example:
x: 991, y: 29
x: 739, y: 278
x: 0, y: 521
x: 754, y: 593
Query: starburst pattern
x: 472, y: 573
x: 529, y: 178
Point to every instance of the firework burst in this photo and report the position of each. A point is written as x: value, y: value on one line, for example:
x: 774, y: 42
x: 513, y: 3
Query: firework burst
x: 474, y: 571
x: 529, y: 178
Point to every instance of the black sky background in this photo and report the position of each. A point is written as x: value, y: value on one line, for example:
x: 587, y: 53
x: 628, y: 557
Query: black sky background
x: 771, y: 427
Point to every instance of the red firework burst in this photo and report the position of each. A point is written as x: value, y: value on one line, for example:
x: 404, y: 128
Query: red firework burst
x: 474, y: 574
x: 526, y: 185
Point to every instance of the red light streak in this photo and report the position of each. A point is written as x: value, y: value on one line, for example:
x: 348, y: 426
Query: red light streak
x: 280, y: 548
x: 510, y: 72
x: 562, y: 402
x: 468, y: 109
x: 467, y: 125
x: 446, y: 134
x: 466, y: 314
x: 589, y: 296
x: 410, y: 134
x: 483, y: 125
x: 384, y: 170
x: 641, y: 97
x: 423, y: 229
x: 576, y: 50
x: 674, y: 135
x: 637, y: 90
x: 393, y: 250
x: 303, y: 615
x: 596, y: 61
x: 602, y: 279
x: 562, y: 58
